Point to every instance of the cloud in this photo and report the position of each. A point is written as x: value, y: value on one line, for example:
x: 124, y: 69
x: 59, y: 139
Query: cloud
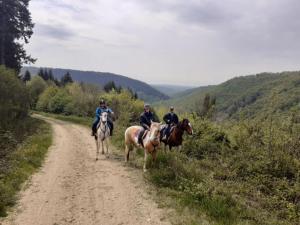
x: 168, y: 40
x: 59, y: 32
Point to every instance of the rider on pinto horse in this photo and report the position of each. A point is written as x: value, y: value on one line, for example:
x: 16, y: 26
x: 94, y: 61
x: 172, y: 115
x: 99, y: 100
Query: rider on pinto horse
x: 102, y: 108
x: 145, y: 121
x: 170, y: 119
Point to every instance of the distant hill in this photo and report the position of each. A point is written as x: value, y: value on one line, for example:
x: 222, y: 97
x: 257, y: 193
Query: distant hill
x: 248, y: 95
x: 144, y: 91
x: 170, y: 90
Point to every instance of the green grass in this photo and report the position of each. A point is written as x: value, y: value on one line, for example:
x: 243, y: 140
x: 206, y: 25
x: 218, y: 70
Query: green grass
x: 86, y: 121
x: 23, y: 162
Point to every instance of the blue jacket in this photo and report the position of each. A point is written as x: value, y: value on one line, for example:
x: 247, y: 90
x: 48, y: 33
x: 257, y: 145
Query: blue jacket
x: 99, y: 111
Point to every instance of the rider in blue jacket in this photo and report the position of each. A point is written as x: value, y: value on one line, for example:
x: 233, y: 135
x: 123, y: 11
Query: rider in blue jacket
x: 99, y: 111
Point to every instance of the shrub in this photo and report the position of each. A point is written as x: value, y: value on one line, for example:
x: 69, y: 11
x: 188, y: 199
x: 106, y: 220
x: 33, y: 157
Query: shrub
x: 14, y: 98
x: 36, y: 86
x: 208, y: 140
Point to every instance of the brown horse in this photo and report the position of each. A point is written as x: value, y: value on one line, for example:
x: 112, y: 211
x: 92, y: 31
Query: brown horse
x: 175, y: 138
x: 151, y: 141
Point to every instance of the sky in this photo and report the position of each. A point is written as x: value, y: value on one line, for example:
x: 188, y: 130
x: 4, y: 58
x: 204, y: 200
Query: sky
x: 183, y: 42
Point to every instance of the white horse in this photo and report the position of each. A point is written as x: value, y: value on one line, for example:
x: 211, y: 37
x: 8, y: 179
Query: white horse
x: 103, y: 133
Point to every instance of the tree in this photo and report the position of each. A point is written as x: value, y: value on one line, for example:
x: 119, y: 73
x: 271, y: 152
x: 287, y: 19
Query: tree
x: 41, y: 73
x: 109, y: 86
x: 14, y: 98
x: 15, y: 27
x: 67, y: 78
x: 36, y: 87
x: 27, y: 76
x: 46, y: 75
x: 208, y: 106
x: 50, y: 74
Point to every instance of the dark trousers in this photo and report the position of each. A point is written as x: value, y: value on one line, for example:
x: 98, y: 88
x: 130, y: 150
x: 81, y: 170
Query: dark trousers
x: 95, y: 123
x: 140, y: 138
x: 111, y: 126
x: 167, y: 130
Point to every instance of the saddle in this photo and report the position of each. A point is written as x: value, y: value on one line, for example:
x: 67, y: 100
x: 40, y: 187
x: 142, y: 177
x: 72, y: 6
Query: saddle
x: 140, y: 139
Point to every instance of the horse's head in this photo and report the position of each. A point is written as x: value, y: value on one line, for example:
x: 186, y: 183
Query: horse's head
x: 155, y: 132
x: 186, y: 125
x: 104, y: 117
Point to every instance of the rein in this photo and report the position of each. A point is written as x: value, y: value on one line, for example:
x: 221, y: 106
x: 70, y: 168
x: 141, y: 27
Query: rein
x: 151, y: 142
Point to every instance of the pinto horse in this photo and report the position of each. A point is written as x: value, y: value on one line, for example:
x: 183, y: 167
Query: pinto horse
x: 175, y: 138
x: 102, y: 136
x: 151, y: 141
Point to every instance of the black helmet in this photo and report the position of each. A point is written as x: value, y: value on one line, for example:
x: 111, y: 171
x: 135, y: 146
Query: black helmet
x: 102, y: 102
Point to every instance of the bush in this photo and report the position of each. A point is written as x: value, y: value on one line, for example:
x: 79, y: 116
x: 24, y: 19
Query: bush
x: 208, y: 140
x: 58, y: 103
x: 43, y: 103
x: 36, y: 86
x: 14, y: 98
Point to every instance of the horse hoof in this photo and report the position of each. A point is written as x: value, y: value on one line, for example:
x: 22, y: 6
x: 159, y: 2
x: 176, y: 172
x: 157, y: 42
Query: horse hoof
x: 96, y: 159
x: 102, y: 153
x: 145, y: 170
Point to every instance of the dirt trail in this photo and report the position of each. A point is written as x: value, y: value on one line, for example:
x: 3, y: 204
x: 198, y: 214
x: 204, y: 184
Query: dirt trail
x: 72, y: 188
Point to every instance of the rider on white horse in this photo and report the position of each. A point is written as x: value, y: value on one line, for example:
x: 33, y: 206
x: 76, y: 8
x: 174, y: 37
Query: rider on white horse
x: 103, y: 108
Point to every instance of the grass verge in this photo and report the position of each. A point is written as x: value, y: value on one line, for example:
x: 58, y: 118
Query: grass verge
x: 19, y: 164
x: 86, y: 121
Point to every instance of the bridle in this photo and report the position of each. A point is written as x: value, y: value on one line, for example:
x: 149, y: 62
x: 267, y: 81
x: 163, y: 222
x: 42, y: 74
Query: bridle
x: 183, y: 126
x: 155, y: 145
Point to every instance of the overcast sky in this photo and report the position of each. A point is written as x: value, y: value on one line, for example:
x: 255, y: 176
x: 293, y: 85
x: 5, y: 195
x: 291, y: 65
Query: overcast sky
x: 190, y: 42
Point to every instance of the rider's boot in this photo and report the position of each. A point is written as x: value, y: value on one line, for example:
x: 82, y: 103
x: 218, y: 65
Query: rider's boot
x: 93, y: 132
x: 140, y: 139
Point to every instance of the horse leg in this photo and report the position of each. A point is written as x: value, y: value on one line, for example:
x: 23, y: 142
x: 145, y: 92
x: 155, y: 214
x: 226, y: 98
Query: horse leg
x: 154, y: 155
x: 126, y: 153
x: 107, y: 146
x: 145, y: 160
x: 102, y: 145
x: 134, y: 150
x: 97, y: 149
